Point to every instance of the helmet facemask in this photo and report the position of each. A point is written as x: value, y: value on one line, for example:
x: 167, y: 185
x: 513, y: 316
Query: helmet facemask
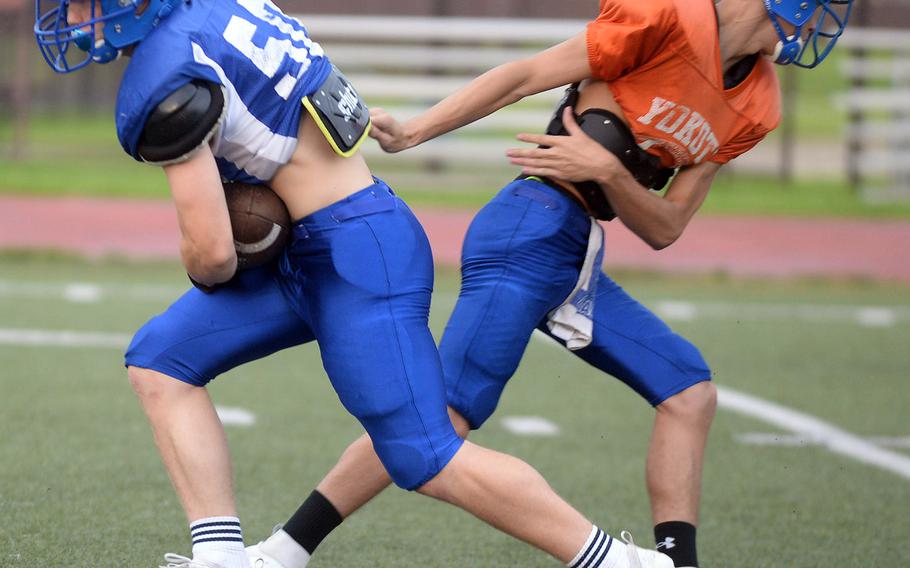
x: 124, y: 23
x: 817, y: 25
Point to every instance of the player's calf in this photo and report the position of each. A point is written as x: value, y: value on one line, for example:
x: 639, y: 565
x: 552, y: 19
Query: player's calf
x: 674, y: 469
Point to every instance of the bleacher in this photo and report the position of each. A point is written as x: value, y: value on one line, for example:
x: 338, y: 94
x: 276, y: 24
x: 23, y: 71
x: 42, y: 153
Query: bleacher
x: 407, y: 64
x: 878, y: 101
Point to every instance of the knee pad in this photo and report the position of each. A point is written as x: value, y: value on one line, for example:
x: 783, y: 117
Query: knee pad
x: 412, y: 447
x: 477, y: 406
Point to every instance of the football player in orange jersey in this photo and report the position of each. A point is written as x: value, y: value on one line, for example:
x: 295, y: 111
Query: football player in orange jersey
x: 202, y: 99
x: 663, y: 85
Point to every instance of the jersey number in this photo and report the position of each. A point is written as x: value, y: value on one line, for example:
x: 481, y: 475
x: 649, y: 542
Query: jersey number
x: 239, y: 33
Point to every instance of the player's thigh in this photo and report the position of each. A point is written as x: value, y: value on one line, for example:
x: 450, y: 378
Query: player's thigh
x: 203, y: 335
x: 520, y: 260
x: 631, y: 343
x: 488, y: 331
x: 369, y: 281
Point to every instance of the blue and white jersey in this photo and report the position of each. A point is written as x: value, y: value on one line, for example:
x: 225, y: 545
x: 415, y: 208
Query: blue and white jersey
x: 264, y: 61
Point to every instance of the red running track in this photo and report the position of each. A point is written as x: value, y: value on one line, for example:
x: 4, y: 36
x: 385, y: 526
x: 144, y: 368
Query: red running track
x: 741, y: 246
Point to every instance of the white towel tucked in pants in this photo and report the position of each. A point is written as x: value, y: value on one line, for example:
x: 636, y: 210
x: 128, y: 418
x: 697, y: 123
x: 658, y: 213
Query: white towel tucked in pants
x: 573, y: 320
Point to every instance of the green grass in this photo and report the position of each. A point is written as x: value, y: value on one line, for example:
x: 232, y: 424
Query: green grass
x: 730, y: 195
x: 81, y: 484
x: 746, y: 195
x: 88, y: 162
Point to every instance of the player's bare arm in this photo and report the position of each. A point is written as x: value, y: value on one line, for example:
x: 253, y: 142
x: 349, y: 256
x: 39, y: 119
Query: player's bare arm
x: 207, y: 245
x: 560, y: 65
x: 657, y: 220
x: 204, y: 101
x: 655, y: 109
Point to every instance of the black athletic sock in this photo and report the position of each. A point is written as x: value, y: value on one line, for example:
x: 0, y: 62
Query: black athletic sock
x: 676, y: 539
x: 313, y: 521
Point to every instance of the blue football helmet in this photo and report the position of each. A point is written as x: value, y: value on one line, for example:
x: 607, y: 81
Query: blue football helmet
x: 121, y: 23
x: 817, y: 26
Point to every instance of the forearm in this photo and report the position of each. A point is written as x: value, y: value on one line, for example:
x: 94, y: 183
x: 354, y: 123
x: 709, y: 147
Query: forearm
x: 481, y: 97
x: 655, y: 220
x: 207, y: 242
x: 206, y: 266
x: 557, y: 66
x: 658, y: 220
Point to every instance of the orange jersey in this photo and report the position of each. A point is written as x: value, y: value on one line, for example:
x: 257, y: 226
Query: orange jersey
x: 661, y: 60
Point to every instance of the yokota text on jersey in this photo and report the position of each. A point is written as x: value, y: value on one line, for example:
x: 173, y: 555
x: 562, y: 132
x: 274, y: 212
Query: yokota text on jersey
x: 695, y: 137
x: 661, y: 61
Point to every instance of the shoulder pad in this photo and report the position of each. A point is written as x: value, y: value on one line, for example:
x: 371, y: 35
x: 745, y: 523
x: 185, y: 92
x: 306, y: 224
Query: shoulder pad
x: 611, y: 132
x: 182, y: 123
x: 569, y: 98
x: 339, y: 113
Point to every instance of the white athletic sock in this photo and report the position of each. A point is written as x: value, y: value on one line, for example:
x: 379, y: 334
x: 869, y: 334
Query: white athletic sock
x: 600, y: 551
x: 286, y: 550
x: 219, y: 540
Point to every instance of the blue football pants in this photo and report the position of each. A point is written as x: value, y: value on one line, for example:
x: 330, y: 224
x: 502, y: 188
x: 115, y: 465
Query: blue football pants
x: 521, y: 259
x: 357, y: 278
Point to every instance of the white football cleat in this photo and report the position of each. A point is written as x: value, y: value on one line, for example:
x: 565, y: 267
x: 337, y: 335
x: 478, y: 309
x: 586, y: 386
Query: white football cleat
x: 643, y: 557
x: 259, y: 559
x: 177, y: 561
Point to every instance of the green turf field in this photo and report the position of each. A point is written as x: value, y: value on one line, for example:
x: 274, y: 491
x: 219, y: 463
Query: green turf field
x: 81, y: 483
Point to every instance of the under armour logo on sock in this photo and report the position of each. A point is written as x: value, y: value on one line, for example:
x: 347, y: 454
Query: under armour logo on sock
x: 667, y: 543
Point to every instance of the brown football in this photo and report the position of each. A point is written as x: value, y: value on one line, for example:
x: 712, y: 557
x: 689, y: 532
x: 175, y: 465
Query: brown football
x: 260, y: 222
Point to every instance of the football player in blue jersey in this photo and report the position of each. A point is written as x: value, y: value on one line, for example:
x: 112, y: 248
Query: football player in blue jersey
x: 236, y: 90
x: 663, y: 88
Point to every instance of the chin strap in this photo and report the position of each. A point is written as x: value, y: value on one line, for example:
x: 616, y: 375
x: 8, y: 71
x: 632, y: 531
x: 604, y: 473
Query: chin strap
x: 788, y: 48
x: 101, y: 52
x: 787, y: 52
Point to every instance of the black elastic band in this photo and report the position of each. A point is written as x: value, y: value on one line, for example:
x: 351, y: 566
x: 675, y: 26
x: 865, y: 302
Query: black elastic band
x: 313, y: 521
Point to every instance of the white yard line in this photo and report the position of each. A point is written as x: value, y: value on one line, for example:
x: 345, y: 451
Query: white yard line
x: 803, y: 428
x: 811, y: 428
x: 868, y: 316
x: 891, y: 441
x: 230, y: 416
x: 802, y: 425
x: 80, y: 293
x: 675, y: 310
x: 768, y: 439
x: 876, y: 317
x: 88, y: 292
x: 797, y: 440
x: 667, y: 308
x: 234, y: 416
x: 49, y: 338
x: 530, y: 426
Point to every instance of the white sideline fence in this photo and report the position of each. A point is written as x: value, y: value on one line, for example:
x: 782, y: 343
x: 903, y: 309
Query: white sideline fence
x: 878, y: 101
x: 407, y: 64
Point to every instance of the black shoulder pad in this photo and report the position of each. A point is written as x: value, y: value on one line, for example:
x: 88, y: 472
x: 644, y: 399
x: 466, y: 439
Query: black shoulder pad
x: 569, y: 98
x: 611, y: 132
x: 181, y: 123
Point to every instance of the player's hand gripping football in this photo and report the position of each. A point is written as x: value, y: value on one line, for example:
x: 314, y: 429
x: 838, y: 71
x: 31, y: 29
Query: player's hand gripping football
x: 576, y: 157
x: 387, y: 131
